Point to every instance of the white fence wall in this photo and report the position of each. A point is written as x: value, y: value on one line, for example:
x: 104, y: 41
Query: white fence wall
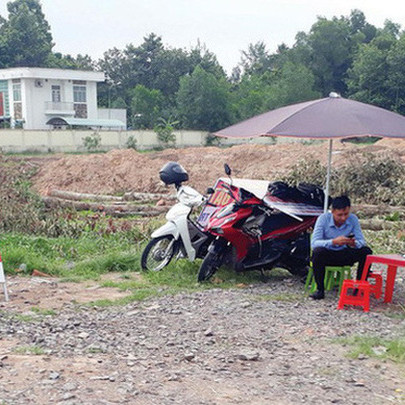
x: 19, y: 140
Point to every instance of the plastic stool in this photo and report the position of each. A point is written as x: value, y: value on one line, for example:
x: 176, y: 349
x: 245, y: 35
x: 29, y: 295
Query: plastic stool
x: 361, y: 299
x: 376, y: 287
x: 334, y: 276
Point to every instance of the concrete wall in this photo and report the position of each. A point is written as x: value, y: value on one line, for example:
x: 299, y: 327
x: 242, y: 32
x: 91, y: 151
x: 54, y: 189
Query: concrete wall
x: 20, y: 140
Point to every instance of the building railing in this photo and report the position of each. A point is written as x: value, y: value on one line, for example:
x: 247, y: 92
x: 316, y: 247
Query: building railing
x: 58, y: 106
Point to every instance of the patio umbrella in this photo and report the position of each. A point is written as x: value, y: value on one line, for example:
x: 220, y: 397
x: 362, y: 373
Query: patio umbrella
x: 325, y: 118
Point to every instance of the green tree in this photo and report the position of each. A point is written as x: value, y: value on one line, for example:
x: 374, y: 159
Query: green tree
x: 396, y: 75
x: 294, y: 83
x: 203, y: 101
x: 80, y: 62
x: 27, y: 38
x: 291, y: 83
x: 256, y: 59
x: 376, y: 76
x: 4, y: 57
x: 330, y: 47
x: 146, y: 106
x: 249, y: 97
x: 367, y: 78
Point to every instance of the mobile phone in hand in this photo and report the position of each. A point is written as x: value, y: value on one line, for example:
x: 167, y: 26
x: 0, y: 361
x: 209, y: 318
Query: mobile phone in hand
x: 351, y: 235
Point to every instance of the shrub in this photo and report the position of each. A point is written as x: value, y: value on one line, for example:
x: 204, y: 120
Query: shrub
x: 92, y: 142
x: 164, y: 130
x: 308, y: 171
x: 131, y: 142
x: 373, y: 179
x: 370, y: 178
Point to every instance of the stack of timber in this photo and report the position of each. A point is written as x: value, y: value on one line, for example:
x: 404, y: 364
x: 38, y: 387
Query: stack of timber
x: 140, y: 204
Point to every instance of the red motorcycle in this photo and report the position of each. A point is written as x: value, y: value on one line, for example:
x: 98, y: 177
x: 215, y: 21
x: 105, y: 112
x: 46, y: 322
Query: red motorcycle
x: 262, y: 225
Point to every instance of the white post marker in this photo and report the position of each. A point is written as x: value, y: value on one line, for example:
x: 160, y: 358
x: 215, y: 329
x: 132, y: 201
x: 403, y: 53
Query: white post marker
x: 325, y: 206
x: 3, y: 280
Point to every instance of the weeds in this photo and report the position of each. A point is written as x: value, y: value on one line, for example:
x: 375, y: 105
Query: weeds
x: 370, y: 178
x: 36, y: 350
x: 392, y: 349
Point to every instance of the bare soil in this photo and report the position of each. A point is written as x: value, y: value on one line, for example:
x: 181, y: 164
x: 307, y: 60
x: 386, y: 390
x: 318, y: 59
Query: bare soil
x: 127, y: 170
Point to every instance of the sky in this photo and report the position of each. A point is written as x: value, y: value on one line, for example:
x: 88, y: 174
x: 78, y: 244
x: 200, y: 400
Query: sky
x: 226, y: 27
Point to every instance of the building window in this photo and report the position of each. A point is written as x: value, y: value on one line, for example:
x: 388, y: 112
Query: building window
x: 79, y: 94
x: 56, y: 97
x: 80, y: 98
x: 17, y: 91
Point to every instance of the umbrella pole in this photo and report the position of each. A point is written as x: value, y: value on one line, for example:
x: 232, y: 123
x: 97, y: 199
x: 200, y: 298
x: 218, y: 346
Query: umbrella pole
x: 325, y: 206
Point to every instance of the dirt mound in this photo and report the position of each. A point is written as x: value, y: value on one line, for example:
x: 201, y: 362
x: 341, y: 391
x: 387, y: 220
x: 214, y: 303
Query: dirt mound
x: 127, y: 170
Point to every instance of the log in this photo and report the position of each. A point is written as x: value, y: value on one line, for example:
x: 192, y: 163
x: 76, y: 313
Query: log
x: 71, y: 195
x: 137, y: 196
x: 121, y: 210
x: 380, y: 224
x: 368, y: 210
x: 133, y: 196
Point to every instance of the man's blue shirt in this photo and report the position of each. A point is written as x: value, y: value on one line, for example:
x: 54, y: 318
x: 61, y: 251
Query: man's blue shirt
x: 325, y: 231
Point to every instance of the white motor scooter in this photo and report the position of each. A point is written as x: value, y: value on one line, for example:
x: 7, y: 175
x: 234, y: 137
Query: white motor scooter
x: 180, y: 235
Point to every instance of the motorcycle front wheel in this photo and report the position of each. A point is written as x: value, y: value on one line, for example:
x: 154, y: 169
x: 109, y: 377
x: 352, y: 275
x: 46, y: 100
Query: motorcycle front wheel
x: 209, y: 266
x: 158, y: 253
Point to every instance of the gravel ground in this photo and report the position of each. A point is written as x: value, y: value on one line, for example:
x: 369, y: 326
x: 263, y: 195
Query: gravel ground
x: 264, y: 344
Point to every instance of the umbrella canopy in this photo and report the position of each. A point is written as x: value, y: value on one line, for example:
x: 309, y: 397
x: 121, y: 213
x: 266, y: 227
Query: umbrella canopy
x: 326, y: 118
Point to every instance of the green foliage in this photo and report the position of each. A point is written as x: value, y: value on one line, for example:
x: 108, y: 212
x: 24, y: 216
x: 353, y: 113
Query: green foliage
x: 92, y: 142
x: 306, y: 170
x: 82, y: 62
x: 86, y: 256
x: 371, y: 179
x: 203, y: 101
x: 164, y: 130
x: 146, y: 106
x: 21, y: 209
x: 131, y: 142
x: 26, y: 36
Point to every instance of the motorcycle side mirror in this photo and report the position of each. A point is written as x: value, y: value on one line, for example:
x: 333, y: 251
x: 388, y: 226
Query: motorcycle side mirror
x: 210, y: 190
x: 228, y: 170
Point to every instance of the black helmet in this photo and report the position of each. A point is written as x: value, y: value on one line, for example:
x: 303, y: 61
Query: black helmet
x: 173, y: 173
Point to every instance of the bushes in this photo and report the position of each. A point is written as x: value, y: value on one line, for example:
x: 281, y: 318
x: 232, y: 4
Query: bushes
x: 22, y: 210
x: 371, y: 179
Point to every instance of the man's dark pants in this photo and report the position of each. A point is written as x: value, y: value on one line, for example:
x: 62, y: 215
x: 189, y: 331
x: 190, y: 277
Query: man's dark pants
x: 322, y: 257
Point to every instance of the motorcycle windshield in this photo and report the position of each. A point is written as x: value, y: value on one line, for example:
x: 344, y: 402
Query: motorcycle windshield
x: 292, y: 208
x: 257, y: 187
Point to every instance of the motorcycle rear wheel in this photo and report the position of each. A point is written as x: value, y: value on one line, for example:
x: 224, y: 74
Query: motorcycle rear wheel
x: 209, y: 267
x: 158, y: 253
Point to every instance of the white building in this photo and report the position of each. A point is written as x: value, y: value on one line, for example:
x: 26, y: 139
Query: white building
x: 41, y: 98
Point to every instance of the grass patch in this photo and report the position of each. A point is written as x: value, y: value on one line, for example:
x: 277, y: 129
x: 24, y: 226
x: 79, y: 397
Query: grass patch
x: 43, y: 312
x: 392, y: 349
x: 83, y: 258
x: 36, y: 350
x: 26, y: 318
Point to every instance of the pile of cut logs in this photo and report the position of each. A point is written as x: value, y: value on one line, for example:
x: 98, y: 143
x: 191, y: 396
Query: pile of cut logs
x: 141, y: 204
x: 152, y: 204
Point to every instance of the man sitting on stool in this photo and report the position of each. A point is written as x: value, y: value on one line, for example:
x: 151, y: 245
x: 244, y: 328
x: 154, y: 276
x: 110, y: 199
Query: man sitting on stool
x: 337, y: 241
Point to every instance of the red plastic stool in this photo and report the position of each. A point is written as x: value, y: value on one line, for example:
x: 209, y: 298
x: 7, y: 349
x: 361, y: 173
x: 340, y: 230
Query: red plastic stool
x: 376, y: 287
x: 361, y: 299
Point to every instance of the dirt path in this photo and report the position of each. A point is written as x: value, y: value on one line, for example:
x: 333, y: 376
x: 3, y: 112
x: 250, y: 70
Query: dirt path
x: 264, y: 344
